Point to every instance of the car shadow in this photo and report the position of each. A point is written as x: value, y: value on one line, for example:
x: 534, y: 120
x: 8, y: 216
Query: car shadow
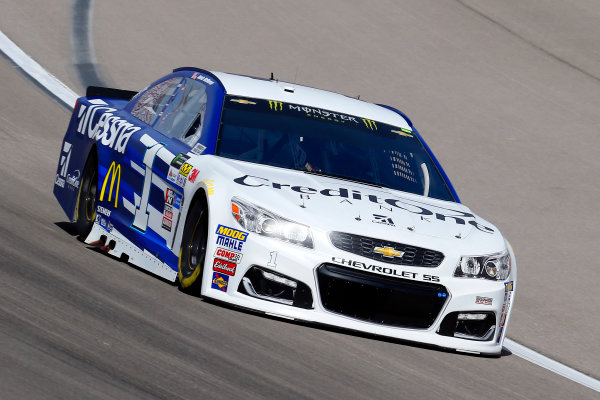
x: 69, y: 227
x: 343, y: 331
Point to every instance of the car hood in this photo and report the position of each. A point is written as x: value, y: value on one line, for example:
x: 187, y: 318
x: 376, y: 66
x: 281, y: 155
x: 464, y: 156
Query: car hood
x: 332, y: 204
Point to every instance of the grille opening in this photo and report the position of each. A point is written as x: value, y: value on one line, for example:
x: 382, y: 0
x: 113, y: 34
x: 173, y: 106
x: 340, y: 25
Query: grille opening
x: 273, y: 286
x: 380, y: 299
x: 364, y: 246
x: 461, y: 325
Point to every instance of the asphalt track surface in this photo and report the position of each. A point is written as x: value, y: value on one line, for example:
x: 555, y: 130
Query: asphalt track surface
x: 506, y: 94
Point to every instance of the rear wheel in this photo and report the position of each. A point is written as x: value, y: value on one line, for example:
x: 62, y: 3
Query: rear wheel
x: 193, y: 247
x: 86, y: 200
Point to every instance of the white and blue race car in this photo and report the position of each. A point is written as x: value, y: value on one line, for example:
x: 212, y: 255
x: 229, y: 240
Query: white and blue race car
x: 288, y: 200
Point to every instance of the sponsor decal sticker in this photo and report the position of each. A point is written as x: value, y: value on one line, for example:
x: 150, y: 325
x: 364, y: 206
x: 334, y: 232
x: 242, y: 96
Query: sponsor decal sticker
x: 210, y: 186
x: 65, y: 157
x: 193, y: 175
x: 204, y: 79
x: 103, y: 211
x: 388, y: 252
x: 172, y: 174
x: 223, y: 266
x: 179, y: 160
x: 114, y: 172
x: 167, y: 224
x: 275, y: 105
x: 243, y: 101
x: 230, y: 238
x: 483, y: 300
x: 177, y: 200
x: 198, y: 149
x: 342, y: 194
x: 169, y: 196
x: 370, y: 124
x: 323, y: 114
x: 98, y: 122
x: 508, y: 286
x: 228, y: 255
x: 403, y: 132
x: 185, y: 169
x: 59, y: 181
x: 103, y: 223
x: 73, y: 180
x: 168, y: 213
x: 220, y: 281
x: 385, y: 270
x: 382, y: 219
x: 504, y: 314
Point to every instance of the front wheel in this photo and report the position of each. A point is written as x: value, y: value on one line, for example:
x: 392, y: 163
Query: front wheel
x: 193, y: 247
x: 86, y: 200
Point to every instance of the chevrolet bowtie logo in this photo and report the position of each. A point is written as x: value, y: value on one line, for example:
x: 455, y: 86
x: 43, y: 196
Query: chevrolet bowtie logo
x: 388, y: 252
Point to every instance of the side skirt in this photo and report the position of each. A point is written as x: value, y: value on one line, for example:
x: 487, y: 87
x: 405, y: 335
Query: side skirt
x: 117, y: 245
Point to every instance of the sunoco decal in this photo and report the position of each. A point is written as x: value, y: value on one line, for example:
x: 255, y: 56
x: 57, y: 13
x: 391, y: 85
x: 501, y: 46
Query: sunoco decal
x: 220, y: 281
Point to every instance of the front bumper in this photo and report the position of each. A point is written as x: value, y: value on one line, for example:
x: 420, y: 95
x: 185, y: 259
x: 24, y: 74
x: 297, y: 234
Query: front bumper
x: 418, y: 306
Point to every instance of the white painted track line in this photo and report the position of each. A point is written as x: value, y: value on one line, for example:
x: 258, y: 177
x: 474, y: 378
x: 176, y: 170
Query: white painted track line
x: 66, y: 95
x: 36, y: 71
x: 550, y: 364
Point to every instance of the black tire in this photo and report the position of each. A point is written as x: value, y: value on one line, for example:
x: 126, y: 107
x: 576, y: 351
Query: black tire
x: 86, y: 200
x: 193, y: 247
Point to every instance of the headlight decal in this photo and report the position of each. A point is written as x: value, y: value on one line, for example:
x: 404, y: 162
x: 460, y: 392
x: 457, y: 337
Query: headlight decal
x: 264, y: 222
x: 494, y: 267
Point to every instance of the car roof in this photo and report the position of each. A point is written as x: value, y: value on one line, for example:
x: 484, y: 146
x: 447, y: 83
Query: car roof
x: 271, y: 89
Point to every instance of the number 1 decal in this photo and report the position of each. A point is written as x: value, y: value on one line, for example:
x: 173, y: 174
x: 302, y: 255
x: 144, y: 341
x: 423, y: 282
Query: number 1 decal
x: 273, y: 261
x: 140, y: 220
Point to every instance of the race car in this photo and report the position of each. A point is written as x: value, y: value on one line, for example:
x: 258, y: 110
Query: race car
x: 287, y: 200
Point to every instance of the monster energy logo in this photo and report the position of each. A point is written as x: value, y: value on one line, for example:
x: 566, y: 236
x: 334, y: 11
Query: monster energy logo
x: 275, y: 105
x: 370, y: 124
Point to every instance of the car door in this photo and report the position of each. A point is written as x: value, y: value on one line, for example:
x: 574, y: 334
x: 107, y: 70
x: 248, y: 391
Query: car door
x: 172, y: 113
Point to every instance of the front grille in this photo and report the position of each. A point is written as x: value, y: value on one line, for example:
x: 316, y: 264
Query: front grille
x: 364, y: 246
x: 380, y: 299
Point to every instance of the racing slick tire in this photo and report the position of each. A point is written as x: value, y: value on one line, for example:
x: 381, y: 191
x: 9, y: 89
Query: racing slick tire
x: 193, y: 247
x: 86, y: 199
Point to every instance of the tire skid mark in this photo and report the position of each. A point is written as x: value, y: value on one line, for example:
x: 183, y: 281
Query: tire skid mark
x: 528, y: 41
x: 82, y: 44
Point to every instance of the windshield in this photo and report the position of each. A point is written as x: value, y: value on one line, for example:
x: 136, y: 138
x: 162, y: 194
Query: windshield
x: 327, y: 143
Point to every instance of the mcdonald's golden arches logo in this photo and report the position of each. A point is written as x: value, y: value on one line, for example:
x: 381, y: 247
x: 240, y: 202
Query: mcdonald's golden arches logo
x: 114, y: 171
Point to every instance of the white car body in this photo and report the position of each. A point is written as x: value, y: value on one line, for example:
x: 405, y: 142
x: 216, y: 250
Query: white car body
x: 328, y: 205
